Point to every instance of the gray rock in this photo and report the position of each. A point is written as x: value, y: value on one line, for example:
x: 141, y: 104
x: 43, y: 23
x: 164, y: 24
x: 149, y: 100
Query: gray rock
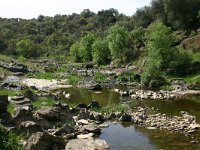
x: 44, y: 141
x: 22, y: 114
x: 85, y: 136
x: 87, y: 144
x: 65, y: 129
x: 92, y: 128
x: 48, y: 113
x: 30, y: 127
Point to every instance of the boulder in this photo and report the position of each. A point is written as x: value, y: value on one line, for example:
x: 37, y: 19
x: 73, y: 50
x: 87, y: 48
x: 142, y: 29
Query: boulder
x: 192, y: 43
x: 87, y: 144
x: 22, y: 114
x: 92, y: 128
x: 65, y: 129
x: 12, y: 86
x: 21, y: 101
x: 44, y: 141
x: 14, y: 67
x: 85, y: 136
x: 49, y: 113
x: 30, y: 127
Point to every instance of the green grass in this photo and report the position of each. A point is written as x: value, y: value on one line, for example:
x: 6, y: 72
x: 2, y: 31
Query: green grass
x: 74, y: 79
x: 39, y: 102
x: 99, y: 77
x: 9, y: 140
x: 9, y: 92
x: 112, y: 108
x: 42, y: 75
x: 192, y: 79
x: 10, y: 108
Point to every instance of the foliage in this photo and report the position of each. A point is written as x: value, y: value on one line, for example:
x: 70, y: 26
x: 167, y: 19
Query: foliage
x: 10, y: 108
x: 99, y: 77
x: 8, y: 92
x: 86, y: 49
x: 74, y: 79
x: 180, y: 63
x: 9, y: 140
x: 118, y: 41
x: 159, y: 52
x: 126, y: 76
x: 27, y: 48
x: 75, y: 52
x: 101, y: 53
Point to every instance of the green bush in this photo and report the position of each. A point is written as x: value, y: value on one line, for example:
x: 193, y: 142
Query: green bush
x: 9, y: 140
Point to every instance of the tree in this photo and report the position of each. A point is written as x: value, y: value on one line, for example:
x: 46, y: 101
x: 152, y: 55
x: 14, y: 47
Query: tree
x: 86, y: 44
x: 101, y: 53
x: 118, y: 41
x: 159, y: 40
x: 2, y: 45
x: 27, y: 48
x: 75, y: 52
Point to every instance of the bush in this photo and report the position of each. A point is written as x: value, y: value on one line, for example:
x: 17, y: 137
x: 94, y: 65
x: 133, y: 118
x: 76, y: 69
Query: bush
x: 9, y: 140
x: 101, y: 53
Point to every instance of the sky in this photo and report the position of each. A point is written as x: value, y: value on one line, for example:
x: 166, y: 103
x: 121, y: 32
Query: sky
x: 28, y: 9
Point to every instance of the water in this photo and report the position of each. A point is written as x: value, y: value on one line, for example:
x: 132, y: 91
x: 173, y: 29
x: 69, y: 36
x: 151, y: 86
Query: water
x: 120, y: 137
x: 130, y: 137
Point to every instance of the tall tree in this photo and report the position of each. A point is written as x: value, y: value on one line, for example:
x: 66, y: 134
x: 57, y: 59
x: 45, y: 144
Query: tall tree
x: 118, y: 41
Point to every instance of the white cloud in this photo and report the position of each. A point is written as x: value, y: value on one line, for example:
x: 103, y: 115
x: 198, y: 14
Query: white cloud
x: 33, y: 8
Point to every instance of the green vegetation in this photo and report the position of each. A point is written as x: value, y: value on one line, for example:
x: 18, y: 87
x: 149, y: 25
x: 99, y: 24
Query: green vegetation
x: 74, y: 79
x: 10, y: 108
x: 108, y: 37
x: 9, y: 92
x: 112, y: 108
x: 99, y: 77
x: 9, y: 140
x: 39, y: 102
x: 126, y: 76
x: 101, y: 53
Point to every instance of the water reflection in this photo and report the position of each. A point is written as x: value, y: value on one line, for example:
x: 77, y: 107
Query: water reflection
x: 126, y: 138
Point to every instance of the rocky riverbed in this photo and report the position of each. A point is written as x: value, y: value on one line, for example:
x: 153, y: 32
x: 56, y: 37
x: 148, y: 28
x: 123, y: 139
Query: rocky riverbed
x: 62, y: 127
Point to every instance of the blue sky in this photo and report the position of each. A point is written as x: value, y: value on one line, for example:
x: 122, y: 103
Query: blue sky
x: 33, y: 8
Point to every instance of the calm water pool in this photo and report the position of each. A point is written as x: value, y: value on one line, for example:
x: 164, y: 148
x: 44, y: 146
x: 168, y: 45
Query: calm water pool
x: 130, y: 137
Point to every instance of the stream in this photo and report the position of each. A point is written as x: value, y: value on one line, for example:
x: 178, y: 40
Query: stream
x: 126, y: 136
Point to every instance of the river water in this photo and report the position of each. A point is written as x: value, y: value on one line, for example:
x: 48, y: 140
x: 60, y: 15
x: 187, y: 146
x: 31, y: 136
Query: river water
x: 131, y: 137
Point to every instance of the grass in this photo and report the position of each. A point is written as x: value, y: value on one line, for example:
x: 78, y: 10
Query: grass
x: 9, y: 140
x: 10, y: 108
x: 99, y: 77
x: 42, y: 75
x: 9, y: 92
x: 192, y: 78
x: 39, y: 102
x: 74, y: 79
x: 112, y: 108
